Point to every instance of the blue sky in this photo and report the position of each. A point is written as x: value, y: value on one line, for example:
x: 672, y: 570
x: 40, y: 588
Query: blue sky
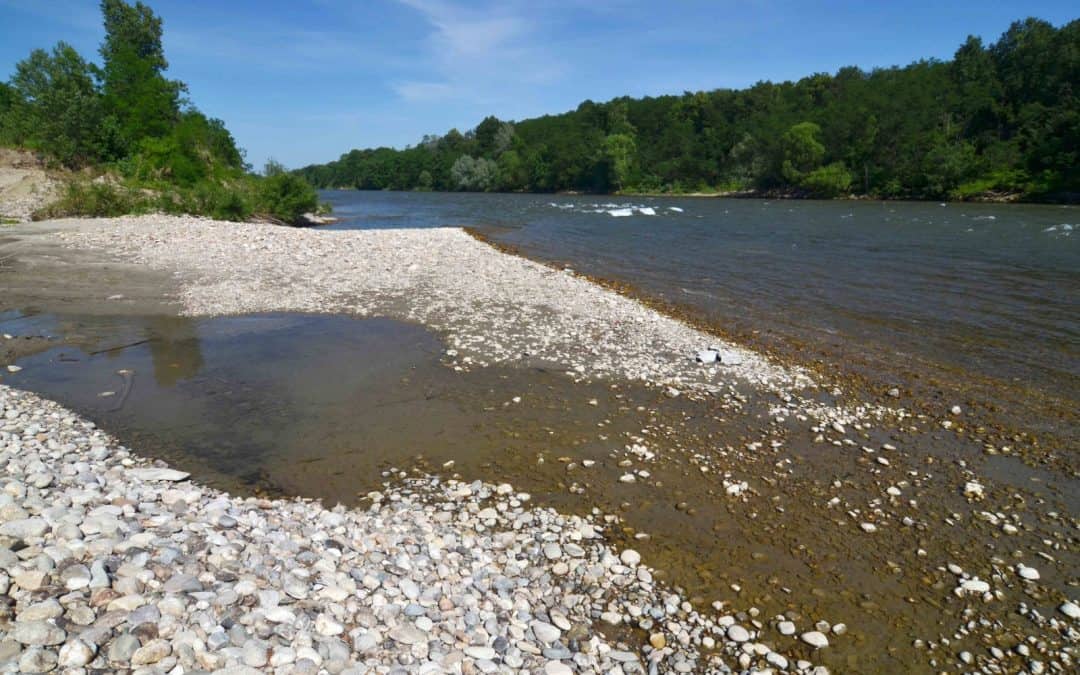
x: 305, y: 80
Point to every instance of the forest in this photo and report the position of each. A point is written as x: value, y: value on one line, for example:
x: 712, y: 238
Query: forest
x: 997, y: 121
x: 129, y: 138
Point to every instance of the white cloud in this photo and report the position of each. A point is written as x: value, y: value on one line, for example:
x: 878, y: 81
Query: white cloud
x: 479, y: 54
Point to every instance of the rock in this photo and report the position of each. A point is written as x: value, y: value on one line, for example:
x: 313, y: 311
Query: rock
x: 37, y: 660
x: 557, y: 668
x: 155, y: 474
x: 122, y: 648
x: 151, y: 653
x: 708, y: 356
x: 731, y: 358
x: 25, y: 528
x: 657, y: 640
x: 972, y: 586
x: 325, y: 625
x: 545, y: 632
x: 255, y: 653
x: 37, y: 633
x: 786, y: 628
x: 76, y: 654
x: 630, y: 557
x: 407, y: 634
x: 479, y: 652
x: 183, y: 583
x: 815, y: 639
x: 75, y: 577
x: 1027, y: 573
x: 777, y: 660
x: 973, y: 490
x: 737, y: 633
x: 1070, y: 609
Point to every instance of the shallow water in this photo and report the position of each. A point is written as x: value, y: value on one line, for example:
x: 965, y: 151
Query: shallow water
x: 979, y: 301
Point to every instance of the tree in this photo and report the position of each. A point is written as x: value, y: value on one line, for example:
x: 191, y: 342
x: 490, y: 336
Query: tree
x: 475, y: 174
x: 802, y: 152
x: 619, y: 152
x: 828, y: 181
x: 136, y: 92
x: 56, y: 107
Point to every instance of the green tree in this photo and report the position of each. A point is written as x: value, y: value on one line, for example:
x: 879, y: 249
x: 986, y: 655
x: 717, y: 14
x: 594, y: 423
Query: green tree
x: 802, y: 152
x: 56, y: 107
x: 619, y: 152
x: 831, y: 180
x: 136, y: 92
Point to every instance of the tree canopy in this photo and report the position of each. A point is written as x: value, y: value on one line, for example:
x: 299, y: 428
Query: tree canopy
x: 126, y: 117
x: 1003, y: 117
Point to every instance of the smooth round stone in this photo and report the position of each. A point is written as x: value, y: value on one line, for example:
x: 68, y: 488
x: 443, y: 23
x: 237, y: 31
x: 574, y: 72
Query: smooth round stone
x: 786, y: 628
x: 560, y: 569
x: 1070, y: 609
x: 545, y: 632
x: 737, y: 633
x: 552, y: 551
x: 657, y: 640
x: 815, y: 639
x: 479, y: 652
x: 1028, y: 573
x: 630, y: 557
x: 557, y: 668
x: 75, y: 654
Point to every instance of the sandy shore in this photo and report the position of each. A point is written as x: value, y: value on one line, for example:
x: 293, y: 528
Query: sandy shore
x: 853, y: 490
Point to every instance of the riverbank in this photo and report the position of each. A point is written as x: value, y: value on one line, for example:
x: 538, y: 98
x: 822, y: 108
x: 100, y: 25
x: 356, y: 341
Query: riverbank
x: 744, y: 482
x: 114, y: 563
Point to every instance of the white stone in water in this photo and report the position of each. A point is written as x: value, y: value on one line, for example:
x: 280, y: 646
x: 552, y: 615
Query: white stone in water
x: 731, y: 358
x: 1070, y: 609
x: 630, y: 557
x: 786, y: 628
x: 156, y: 474
x: 868, y: 527
x: 815, y: 639
x: 973, y: 490
x: 627, y: 478
x: 708, y: 356
x: 972, y: 586
x: 14, y: 369
x: 1028, y: 573
x: 737, y: 633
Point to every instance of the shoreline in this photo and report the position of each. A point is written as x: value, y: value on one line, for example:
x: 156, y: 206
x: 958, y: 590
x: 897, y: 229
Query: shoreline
x: 307, y: 578
x: 813, y: 471
x: 999, y: 200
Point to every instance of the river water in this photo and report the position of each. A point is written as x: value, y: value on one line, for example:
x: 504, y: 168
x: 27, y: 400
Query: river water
x: 953, y: 301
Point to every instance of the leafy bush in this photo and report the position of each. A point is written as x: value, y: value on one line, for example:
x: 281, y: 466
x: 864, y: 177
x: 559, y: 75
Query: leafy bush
x: 285, y: 196
x: 94, y: 200
x: 828, y: 181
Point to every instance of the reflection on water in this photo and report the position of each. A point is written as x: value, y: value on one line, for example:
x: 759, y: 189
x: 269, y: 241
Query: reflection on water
x: 174, y: 347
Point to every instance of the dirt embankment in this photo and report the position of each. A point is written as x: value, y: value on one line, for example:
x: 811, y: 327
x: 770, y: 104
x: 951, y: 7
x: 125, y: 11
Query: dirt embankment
x: 25, y: 185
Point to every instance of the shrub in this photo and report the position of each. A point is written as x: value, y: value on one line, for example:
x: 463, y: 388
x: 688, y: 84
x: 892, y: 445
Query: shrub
x: 828, y: 181
x: 285, y: 196
x: 93, y: 200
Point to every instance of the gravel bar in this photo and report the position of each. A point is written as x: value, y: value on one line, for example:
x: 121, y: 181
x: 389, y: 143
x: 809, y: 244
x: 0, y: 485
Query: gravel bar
x: 111, y: 563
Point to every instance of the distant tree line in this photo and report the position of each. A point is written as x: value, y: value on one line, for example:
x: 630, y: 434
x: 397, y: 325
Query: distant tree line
x: 1003, y: 118
x: 125, y: 116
